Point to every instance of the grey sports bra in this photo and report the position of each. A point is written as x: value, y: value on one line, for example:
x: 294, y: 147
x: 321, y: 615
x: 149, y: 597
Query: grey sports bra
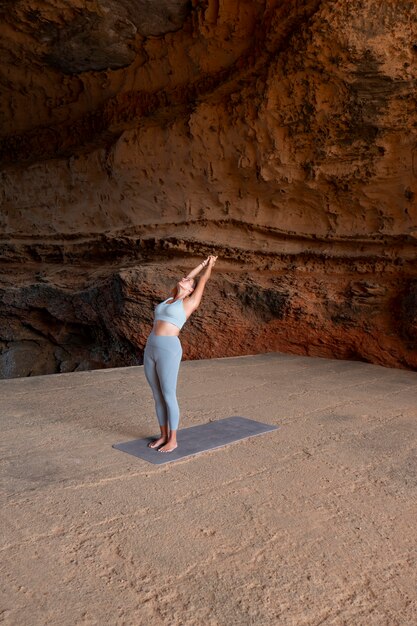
x: 173, y: 312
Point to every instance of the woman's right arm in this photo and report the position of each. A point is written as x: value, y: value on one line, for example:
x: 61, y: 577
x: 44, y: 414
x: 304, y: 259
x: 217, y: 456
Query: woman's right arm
x: 197, y: 294
x: 198, y: 269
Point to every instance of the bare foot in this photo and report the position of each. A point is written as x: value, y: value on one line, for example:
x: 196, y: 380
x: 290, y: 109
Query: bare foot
x: 157, y: 442
x: 168, y: 447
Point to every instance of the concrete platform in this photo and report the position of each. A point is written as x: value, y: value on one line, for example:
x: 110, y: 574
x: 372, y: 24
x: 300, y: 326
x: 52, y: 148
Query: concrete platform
x: 314, y: 523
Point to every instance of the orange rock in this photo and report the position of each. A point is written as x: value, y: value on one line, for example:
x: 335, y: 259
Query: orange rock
x: 280, y: 136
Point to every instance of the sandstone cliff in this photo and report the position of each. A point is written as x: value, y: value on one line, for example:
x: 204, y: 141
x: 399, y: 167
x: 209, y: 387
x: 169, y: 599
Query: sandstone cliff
x: 134, y: 140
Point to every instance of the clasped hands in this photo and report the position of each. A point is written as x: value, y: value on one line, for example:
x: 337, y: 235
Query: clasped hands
x: 210, y: 261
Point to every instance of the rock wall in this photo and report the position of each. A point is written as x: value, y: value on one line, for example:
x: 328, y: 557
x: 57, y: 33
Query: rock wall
x: 281, y: 136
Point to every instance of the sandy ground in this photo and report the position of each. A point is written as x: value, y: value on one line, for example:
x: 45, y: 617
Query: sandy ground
x: 314, y: 523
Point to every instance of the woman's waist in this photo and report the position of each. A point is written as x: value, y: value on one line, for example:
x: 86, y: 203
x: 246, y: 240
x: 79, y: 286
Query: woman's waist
x: 154, y: 339
x: 166, y: 326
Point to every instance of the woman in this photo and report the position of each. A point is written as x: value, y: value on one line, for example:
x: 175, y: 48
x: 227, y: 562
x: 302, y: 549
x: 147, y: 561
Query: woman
x: 163, y: 351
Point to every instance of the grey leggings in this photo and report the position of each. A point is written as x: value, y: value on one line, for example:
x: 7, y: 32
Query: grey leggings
x: 161, y: 361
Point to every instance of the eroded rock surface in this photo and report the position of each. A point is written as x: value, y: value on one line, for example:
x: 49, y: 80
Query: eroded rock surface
x: 281, y: 136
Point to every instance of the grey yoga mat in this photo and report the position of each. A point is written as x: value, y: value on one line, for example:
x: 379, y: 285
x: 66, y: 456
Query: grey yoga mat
x: 197, y: 439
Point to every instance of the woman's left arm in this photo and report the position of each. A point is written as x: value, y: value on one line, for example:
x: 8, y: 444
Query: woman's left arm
x: 197, y: 269
x: 194, y: 300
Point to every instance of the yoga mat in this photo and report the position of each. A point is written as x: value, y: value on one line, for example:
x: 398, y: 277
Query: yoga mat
x: 197, y: 439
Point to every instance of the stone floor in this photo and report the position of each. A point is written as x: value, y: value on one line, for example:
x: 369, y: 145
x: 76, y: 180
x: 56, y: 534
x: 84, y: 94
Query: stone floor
x: 314, y: 523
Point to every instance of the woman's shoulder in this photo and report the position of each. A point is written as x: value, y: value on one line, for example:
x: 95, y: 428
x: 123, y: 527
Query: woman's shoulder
x: 164, y: 301
x: 189, y: 304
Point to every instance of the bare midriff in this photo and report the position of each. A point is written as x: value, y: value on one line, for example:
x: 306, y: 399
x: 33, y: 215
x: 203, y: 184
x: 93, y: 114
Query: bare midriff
x: 165, y: 329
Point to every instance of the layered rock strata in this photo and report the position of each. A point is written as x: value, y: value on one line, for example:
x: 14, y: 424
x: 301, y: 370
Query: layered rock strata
x: 281, y: 136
